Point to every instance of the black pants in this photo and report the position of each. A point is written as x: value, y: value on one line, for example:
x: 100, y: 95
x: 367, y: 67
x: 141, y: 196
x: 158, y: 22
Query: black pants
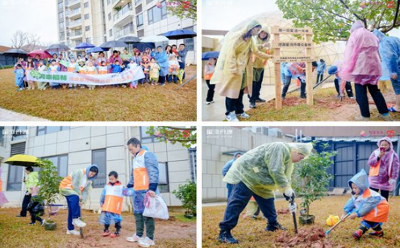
x: 117, y: 227
x: 210, y: 92
x: 365, y: 225
x: 25, y: 202
x: 162, y: 79
x: 256, y: 88
x: 384, y: 193
x: 320, y: 76
x: 288, y: 80
x: 362, y: 99
x: 35, y: 217
x: 302, y: 88
x: 348, y: 88
x: 235, y: 104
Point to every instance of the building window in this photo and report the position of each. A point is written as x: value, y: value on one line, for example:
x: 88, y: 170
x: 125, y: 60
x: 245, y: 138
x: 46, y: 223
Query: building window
x: 14, y: 181
x: 108, y: 2
x: 88, y: 40
x: 19, y: 133
x: 86, y: 5
x: 189, y: 43
x: 47, y: 130
x: 109, y: 16
x: 145, y: 137
x: 138, y: 9
x: 163, y: 179
x: 61, y: 162
x: 156, y: 14
x: 193, y: 164
x: 111, y: 32
x: 139, y: 20
x: 61, y: 25
x: 2, y: 141
x: 140, y: 33
x: 87, y: 28
x: 99, y: 158
x: 86, y: 16
x: 137, y: 2
x: 61, y: 16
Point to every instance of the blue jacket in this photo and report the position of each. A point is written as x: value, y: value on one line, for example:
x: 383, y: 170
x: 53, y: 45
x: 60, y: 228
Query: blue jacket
x: 229, y: 164
x: 321, y: 67
x: 151, y: 164
x: 162, y: 60
x: 116, y: 68
x: 19, y: 77
x: 389, y: 50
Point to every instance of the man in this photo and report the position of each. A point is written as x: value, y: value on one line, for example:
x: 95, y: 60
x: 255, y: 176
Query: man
x: 226, y: 168
x: 182, y: 57
x: 31, y: 180
x: 144, y: 179
x: 258, y: 173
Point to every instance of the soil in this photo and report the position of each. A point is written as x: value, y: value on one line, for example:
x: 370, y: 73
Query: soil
x: 282, y: 211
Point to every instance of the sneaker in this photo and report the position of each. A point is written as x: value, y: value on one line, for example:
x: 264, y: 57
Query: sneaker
x: 260, y: 100
x: 386, y: 118
x: 106, y: 233
x: 114, y: 235
x: 77, y: 222
x: 41, y: 222
x: 226, y: 237
x: 208, y: 103
x: 74, y: 232
x: 244, y: 115
x: 252, y: 105
x: 146, y: 242
x: 362, y: 118
x: 377, y: 233
x: 274, y: 227
x: 32, y: 223
x: 134, y: 238
x: 357, y: 234
x: 232, y: 117
x: 124, y: 86
x: 303, y: 96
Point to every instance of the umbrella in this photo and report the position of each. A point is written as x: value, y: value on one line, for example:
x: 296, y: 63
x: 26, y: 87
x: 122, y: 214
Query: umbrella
x: 42, y: 54
x: 113, y: 43
x: 208, y: 55
x: 15, y: 52
x: 96, y: 50
x: 84, y: 45
x: 180, y: 34
x: 57, y: 48
x: 22, y: 160
x: 154, y: 38
x: 129, y: 39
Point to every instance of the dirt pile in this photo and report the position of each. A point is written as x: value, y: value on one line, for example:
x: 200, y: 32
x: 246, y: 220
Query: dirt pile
x: 283, y: 211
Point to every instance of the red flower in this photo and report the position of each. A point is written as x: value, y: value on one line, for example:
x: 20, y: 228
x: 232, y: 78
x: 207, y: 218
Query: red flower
x: 186, y: 133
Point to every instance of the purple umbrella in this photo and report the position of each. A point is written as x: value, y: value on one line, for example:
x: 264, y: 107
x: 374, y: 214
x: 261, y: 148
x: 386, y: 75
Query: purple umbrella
x: 84, y: 45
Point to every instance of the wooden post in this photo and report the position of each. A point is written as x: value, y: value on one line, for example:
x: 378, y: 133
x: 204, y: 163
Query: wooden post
x: 309, y: 82
x: 277, y: 69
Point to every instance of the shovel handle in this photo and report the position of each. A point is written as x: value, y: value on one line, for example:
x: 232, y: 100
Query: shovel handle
x: 327, y: 232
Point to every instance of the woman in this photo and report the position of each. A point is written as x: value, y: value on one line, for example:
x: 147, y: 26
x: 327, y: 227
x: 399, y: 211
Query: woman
x: 162, y: 60
x: 31, y: 180
x: 361, y: 65
x: 384, y: 168
x: 30, y: 65
x: 75, y: 187
x: 234, y: 71
x: 125, y: 56
x: 137, y: 58
x: 208, y: 73
x: 101, y: 59
x: 168, y: 50
x: 114, y: 57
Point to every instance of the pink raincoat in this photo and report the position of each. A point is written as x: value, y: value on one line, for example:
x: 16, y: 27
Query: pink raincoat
x: 361, y: 63
x: 3, y: 198
x: 390, y: 161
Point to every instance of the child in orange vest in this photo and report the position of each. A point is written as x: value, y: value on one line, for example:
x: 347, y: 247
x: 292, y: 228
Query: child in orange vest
x: 145, y: 64
x: 91, y: 70
x: 366, y: 204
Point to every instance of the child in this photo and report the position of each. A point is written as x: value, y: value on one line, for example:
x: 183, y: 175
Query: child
x: 116, y: 68
x: 19, y: 77
x: 91, y: 70
x: 30, y: 66
x: 102, y: 68
x: 72, y: 67
x: 366, y: 204
x: 146, y: 67
x: 154, y: 71
x: 208, y: 73
x: 81, y: 69
x: 111, y: 205
x: 35, y: 207
x: 173, y: 68
x: 131, y: 66
x: 54, y: 68
x: 41, y: 67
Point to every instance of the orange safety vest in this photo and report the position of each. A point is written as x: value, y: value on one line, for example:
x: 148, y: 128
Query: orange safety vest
x: 140, y: 175
x: 82, y: 70
x: 380, y: 212
x: 71, y: 68
x: 102, y: 69
x: 1, y: 185
x: 66, y: 183
x: 114, y: 197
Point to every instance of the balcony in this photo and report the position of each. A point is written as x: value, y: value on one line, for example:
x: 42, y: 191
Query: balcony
x: 74, y: 13
x: 122, y: 14
x: 75, y: 24
x: 119, y: 3
x: 124, y: 31
x: 77, y: 34
x: 73, y: 3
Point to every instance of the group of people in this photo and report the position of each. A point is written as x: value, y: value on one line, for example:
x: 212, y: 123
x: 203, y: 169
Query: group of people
x: 76, y: 188
x: 158, y: 65
x: 253, y: 177
x: 369, y: 57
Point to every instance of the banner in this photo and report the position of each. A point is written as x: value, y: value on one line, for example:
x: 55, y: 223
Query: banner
x: 60, y: 77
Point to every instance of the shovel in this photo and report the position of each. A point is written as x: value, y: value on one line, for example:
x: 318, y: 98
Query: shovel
x: 327, y: 232
x: 81, y: 232
x: 294, y: 215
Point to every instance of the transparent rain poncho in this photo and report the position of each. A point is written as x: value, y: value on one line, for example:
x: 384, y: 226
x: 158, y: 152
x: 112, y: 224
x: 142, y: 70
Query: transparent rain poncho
x: 389, y: 50
x: 267, y: 167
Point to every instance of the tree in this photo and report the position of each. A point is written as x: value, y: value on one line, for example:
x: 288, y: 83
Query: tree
x: 26, y: 41
x: 186, y: 136
x: 186, y: 193
x: 331, y: 20
x: 182, y: 8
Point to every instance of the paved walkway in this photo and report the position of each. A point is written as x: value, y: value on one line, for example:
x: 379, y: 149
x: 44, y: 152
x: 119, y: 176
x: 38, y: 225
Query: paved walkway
x: 7, y: 115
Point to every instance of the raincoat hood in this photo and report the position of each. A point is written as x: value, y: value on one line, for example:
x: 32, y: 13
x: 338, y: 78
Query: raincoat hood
x: 88, y: 169
x: 361, y: 180
x: 235, y: 154
x: 252, y: 24
x: 356, y: 25
x: 302, y: 148
x: 387, y: 139
x: 265, y: 30
x: 379, y: 34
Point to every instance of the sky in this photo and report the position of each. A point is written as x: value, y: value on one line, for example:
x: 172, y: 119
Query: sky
x: 32, y: 16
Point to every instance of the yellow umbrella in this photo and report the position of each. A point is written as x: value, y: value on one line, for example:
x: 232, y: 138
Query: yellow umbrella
x: 22, y: 160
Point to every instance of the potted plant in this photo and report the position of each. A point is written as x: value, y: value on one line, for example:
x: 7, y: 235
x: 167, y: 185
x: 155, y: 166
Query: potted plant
x: 311, y: 180
x: 186, y: 193
x: 49, y: 181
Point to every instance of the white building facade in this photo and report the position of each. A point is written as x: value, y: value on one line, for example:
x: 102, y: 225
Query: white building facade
x: 73, y: 148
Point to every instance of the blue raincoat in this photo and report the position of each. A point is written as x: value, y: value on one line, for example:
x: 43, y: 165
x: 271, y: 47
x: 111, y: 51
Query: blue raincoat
x: 389, y: 50
x: 321, y: 68
x: 162, y: 60
x: 19, y: 77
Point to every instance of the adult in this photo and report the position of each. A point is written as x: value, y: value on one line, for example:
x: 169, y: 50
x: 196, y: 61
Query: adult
x: 137, y: 58
x: 182, y: 52
x: 321, y: 68
x: 101, y: 58
x: 261, y: 41
x: 31, y: 180
x: 208, y: 73
x: 62, y: 67
x: 83, y: 55
x: 30, y: 65
x: 144, y: 179
x: 150, y: 52
x: 162, y: 60
x: 389, y: 50
x: 258, y: 173
x: 126, y: 56
x: 384, y: 168
x: 76, y: 187
x: 168, y: 50
x: 234, y: 71
x: 287, y: 78
x: 36, y: 60
x: 226, y: 168
x: 114, y: 57
x: 3, y: 199
x: 361, y: 65
x: 90, y: 59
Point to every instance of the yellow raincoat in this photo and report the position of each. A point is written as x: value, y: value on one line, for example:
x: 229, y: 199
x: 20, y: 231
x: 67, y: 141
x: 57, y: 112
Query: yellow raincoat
x: 235, y: 61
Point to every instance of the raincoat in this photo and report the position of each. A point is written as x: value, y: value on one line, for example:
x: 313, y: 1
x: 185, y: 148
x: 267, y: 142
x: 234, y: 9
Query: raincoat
x: 78, y: 183
x: 19, y: 77
x: 229, y: 164
x: 321, y: 68
x: 388, y: 169
x: 111, y: 201
x: 235, y: 59
x: 267, y: 167
x: 162, y: 61
x: 369, y: 205
x: 31, y: 180
x: 361, y: 63
x: 3, y: 198
x: 389, y: 49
